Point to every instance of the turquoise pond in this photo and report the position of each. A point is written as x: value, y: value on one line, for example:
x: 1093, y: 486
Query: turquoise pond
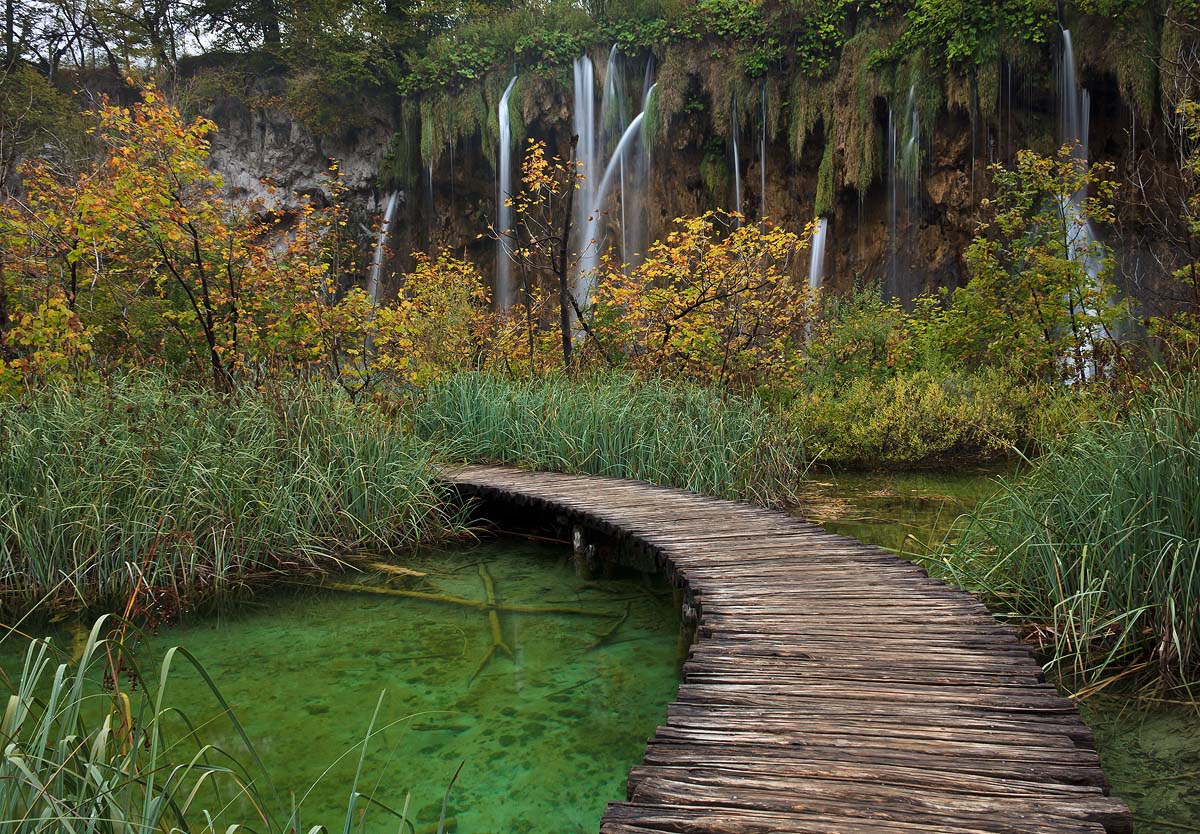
x: 545, y: 738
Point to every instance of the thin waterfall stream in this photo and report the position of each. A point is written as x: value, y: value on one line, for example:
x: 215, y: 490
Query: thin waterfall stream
x: 379, y: 256
x: 504, y: 288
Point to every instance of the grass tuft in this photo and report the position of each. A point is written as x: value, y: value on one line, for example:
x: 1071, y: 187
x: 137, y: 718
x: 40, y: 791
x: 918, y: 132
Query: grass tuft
x: 1098, y: 545
x: 621, y: 426
x: 145, y: 484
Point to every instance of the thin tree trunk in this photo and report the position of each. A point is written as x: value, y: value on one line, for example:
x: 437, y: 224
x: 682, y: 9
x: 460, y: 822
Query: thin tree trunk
x: 3, y: 310
x: 564, y: 291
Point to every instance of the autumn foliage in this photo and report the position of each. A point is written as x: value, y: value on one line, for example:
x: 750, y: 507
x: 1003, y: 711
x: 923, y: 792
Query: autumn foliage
x: 715, y: 301
x: 142, y: 255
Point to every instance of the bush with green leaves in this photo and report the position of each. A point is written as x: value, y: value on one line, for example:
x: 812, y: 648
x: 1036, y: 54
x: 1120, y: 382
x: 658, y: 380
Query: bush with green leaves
x: 921, y: 419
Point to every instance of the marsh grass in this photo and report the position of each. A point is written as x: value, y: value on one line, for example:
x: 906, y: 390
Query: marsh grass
x: 1097, y: 546
x: 147, y: 484
x: 91, y: 745
x: 617, y: 425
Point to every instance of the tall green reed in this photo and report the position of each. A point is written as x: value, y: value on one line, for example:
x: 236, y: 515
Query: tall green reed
x: 147, y: 483
x: 1098, y: 545
x: 619, y: 425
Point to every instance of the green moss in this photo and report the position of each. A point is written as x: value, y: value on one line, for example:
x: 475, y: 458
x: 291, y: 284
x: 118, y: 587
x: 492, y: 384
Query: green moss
x: 401, y: 164
x: 714, y: 169
x: 826, y: 186
x: 810, y: 104
x: 652, y: 121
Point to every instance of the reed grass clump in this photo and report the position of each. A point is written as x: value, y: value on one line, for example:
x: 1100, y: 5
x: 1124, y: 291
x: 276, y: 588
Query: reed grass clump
x: 618, y: 425
x: 1098, y: 545
x: 152, y: 485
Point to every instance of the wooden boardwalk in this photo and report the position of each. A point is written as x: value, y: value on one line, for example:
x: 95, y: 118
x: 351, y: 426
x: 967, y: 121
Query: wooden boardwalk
x: 833, y: 687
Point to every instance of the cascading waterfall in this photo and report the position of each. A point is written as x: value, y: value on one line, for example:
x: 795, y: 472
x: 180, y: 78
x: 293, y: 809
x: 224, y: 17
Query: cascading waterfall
x: 613, y: 121
x: 604, y: 151
x: 504, y: 288
x: 1074, y: 102
x: 633, y: 198
x: 904, y: 189
x: 587, y: 280
x: 375, y: 276
x: 762, y: 159
x: 1074, y: 125
x: 585, y: 156
x: 430, y: 213
x: 893, y: 247
x: 816, y: 263
x: 737, y: 162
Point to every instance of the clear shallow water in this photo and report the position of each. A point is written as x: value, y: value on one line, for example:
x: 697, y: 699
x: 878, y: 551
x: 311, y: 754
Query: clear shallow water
x: 1150, y: 750
x: 1151, y: 753
x: 908, y: 512
x: 547, y: 736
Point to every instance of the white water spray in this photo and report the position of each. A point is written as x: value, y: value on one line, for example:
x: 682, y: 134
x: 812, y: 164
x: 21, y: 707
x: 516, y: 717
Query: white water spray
x: 737, y: 162
x: 504, y: 288
x: 1074, y: 125
x: 587, y: 275
x: 380, y: 255
x: 816, y: 263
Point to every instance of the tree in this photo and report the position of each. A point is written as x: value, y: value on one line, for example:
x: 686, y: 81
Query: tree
x: 540, y: 241
x: 145, y: 249
x: 439, y: 323
x: 715, y: 301
x: 1039, y: 294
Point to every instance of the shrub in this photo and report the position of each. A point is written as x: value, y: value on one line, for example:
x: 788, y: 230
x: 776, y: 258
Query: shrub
x: 925, y: 419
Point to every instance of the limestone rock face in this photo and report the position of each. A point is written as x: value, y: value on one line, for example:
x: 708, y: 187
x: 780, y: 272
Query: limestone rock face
x: 268, y: 156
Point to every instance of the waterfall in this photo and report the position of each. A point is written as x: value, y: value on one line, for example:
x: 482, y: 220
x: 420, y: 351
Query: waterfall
x: 816, y: 263
x: 1074, y: 102
x: 380, y: 254
x: 762, y: 159
x: 904, y: 192
x: 585, y: 156
x: 1074, y: 124
x: 613, y: 121
x: 587, y: 279
x: 604, y: 151
x: 737, y: 163
x: 634, y: 197
x: 504, y: 289
x: 893, y: 213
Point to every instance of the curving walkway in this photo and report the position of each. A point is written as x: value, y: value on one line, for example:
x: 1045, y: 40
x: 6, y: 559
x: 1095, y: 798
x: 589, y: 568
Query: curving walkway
x: 832, y: 687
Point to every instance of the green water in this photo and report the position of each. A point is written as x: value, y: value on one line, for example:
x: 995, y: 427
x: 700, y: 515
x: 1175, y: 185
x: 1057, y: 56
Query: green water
x: 908, y: 512
x: 546, y: 737
x: 1151, y: 753
x: 1150, y: 750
